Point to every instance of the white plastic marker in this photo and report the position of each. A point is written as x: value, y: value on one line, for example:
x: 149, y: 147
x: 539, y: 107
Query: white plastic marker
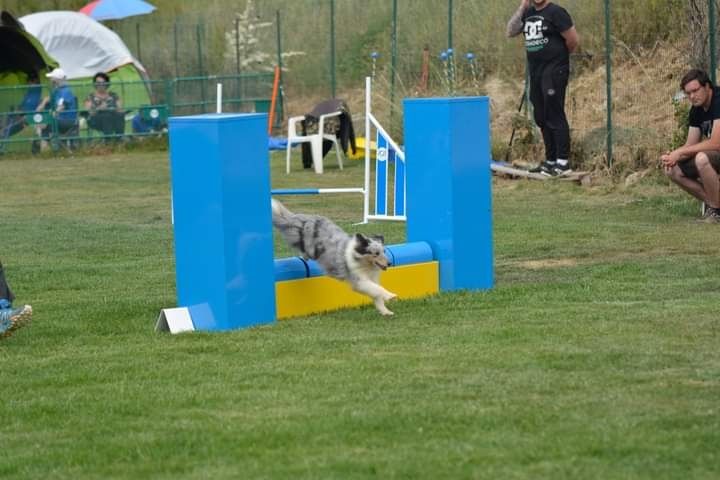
x: 219, y: 98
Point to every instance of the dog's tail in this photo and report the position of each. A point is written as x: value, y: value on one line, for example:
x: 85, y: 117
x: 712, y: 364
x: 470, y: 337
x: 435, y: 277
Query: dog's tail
x: 280, y: 214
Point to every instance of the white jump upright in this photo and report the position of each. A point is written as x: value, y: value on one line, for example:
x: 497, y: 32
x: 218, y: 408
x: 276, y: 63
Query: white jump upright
x: 388, y: 153
x: 388, y: 167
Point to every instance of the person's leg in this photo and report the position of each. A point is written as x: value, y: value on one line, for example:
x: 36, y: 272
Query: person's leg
x: 118, y: 126
x: 92, y: 122
x: 10, y: 318
x: 709, y: 177
x: 14, y: 125
x: 684, y: 174
x: 13, y: 318
x: 537, y: 98
x: 538, y: 102
x: 555, y: 83
x: 99, y: 122
x: 44, y: 133
x: 6, y: 295
x: 550, y: 144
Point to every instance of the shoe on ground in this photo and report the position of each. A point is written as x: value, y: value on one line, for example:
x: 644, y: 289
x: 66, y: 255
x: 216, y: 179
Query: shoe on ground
x: 543, y: 166
x: 13, y: 318
x: 711, y: 215
x: 561, y: 170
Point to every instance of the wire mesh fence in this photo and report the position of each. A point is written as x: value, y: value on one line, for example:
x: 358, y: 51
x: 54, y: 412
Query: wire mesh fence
x: 452, y: 47
x: 327, y: 47
x: 138, y: 110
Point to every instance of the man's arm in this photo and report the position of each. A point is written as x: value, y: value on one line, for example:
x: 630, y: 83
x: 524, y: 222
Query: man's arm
x: 42, y: 104
x: 515, y: 24
x: 693, y: 145
x: 60, y: 105
x: 712, y: 143
x: 572, y: 39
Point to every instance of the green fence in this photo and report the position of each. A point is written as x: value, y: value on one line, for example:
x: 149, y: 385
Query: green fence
x: 620, y: 98
x: 143, y: 110
x: 240, y: 93
x: 326, y: 47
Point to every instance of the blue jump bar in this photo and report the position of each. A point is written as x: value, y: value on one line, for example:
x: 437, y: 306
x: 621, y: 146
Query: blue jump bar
x: 295, y: 191
x: 294, y: 268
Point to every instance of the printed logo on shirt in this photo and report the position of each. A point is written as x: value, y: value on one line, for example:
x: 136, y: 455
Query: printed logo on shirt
x: 535, y: 39
x: 706, y: 128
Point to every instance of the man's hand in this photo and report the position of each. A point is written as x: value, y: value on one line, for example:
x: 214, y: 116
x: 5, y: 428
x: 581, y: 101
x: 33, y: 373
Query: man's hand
x: 670, y: 159
x: 524, y: 4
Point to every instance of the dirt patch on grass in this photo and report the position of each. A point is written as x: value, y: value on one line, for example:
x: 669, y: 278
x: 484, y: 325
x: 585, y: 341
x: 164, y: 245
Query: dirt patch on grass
x: 548, y: 263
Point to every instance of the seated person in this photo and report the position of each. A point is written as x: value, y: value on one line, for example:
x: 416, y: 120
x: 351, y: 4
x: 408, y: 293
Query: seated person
x: 63, y: 104
x: 15, y: 121
x: 105, y: 108
x: 147, y: 125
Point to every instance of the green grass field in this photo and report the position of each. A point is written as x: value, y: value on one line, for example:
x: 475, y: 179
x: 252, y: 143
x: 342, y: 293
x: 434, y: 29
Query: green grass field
x: 595, y: 356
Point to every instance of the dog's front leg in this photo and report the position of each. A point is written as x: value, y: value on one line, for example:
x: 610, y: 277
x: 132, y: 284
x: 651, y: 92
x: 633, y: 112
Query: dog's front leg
x: 377, y: 293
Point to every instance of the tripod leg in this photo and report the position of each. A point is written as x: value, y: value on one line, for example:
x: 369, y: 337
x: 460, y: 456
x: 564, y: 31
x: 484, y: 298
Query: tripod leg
x: 512, y: 134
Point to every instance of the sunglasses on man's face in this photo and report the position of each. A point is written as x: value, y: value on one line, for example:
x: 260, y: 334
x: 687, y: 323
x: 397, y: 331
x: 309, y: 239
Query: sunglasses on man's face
x: 101, y: 84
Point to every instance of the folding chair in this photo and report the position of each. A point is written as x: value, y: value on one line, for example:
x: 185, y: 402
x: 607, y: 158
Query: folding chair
x: 315, y: 140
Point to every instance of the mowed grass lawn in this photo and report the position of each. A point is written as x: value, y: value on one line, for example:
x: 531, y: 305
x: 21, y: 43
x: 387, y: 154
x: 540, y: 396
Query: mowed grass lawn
x: 596, y: 356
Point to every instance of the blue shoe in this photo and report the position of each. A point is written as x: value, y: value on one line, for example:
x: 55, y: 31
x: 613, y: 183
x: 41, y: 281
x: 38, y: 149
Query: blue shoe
x: 13, y: 318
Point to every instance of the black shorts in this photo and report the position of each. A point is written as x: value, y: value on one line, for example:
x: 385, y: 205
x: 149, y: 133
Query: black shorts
x: 689, y: 169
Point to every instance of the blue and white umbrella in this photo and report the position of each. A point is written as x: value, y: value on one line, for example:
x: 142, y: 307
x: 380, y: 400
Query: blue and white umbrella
x: 116, y: 9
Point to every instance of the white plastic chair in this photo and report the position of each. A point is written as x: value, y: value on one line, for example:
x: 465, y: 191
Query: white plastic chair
x: 315, y: 140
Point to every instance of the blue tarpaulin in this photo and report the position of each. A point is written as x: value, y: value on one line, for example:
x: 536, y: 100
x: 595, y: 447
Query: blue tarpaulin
x: 277, y: 143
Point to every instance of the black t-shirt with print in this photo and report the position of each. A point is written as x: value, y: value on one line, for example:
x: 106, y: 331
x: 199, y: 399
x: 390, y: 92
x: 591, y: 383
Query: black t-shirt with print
x: 543, y: 41
x: 704, y: 120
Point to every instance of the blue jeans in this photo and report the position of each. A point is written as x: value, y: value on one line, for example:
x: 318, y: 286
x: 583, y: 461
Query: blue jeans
x: 5, y: 293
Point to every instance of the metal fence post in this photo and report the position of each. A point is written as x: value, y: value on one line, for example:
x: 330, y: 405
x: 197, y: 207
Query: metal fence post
x: 175, y: 39
x: 280, y: 65
x: 450, y: 24
x: 198, y: 33
x: 608, y: 74
x: 393, y: 60
x: 237, y: 45
x: 169, y: 97
x: 137, y: 38
x: 332, y: 47
x: 713, y: 47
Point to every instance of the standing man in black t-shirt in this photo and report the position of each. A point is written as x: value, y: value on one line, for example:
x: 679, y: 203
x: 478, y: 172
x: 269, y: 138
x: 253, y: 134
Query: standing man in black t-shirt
x: 695, y: 166
x: 550, y: 37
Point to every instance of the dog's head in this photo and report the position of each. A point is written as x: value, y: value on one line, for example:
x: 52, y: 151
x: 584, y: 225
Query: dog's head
x: 371, y: 250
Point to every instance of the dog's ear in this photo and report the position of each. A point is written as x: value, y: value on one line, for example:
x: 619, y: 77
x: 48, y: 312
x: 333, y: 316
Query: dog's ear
x: 379, y: 238
x: 362, y: 240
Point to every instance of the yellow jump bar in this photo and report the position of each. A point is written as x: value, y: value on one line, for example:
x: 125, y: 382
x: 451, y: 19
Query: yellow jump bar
x: 306, y: 296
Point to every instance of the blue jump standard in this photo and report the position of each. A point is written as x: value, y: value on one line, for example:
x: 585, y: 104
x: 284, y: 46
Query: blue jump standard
x: 449, y: 186
x: 223, y: 231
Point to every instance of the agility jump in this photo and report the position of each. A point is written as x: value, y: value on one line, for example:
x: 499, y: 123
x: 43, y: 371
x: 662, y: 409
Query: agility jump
x: 388, y: 154
x: 225, y: 272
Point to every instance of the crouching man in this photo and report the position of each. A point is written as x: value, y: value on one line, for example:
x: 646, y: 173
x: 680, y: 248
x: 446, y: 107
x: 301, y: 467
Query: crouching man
x: 695, y: 166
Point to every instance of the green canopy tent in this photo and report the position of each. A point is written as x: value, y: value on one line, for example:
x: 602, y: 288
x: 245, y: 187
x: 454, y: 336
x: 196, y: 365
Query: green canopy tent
x: 21, y: 55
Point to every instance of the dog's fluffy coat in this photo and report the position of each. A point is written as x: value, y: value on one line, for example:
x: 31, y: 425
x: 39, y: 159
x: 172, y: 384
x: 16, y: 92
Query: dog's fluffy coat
x: 357, y: 259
